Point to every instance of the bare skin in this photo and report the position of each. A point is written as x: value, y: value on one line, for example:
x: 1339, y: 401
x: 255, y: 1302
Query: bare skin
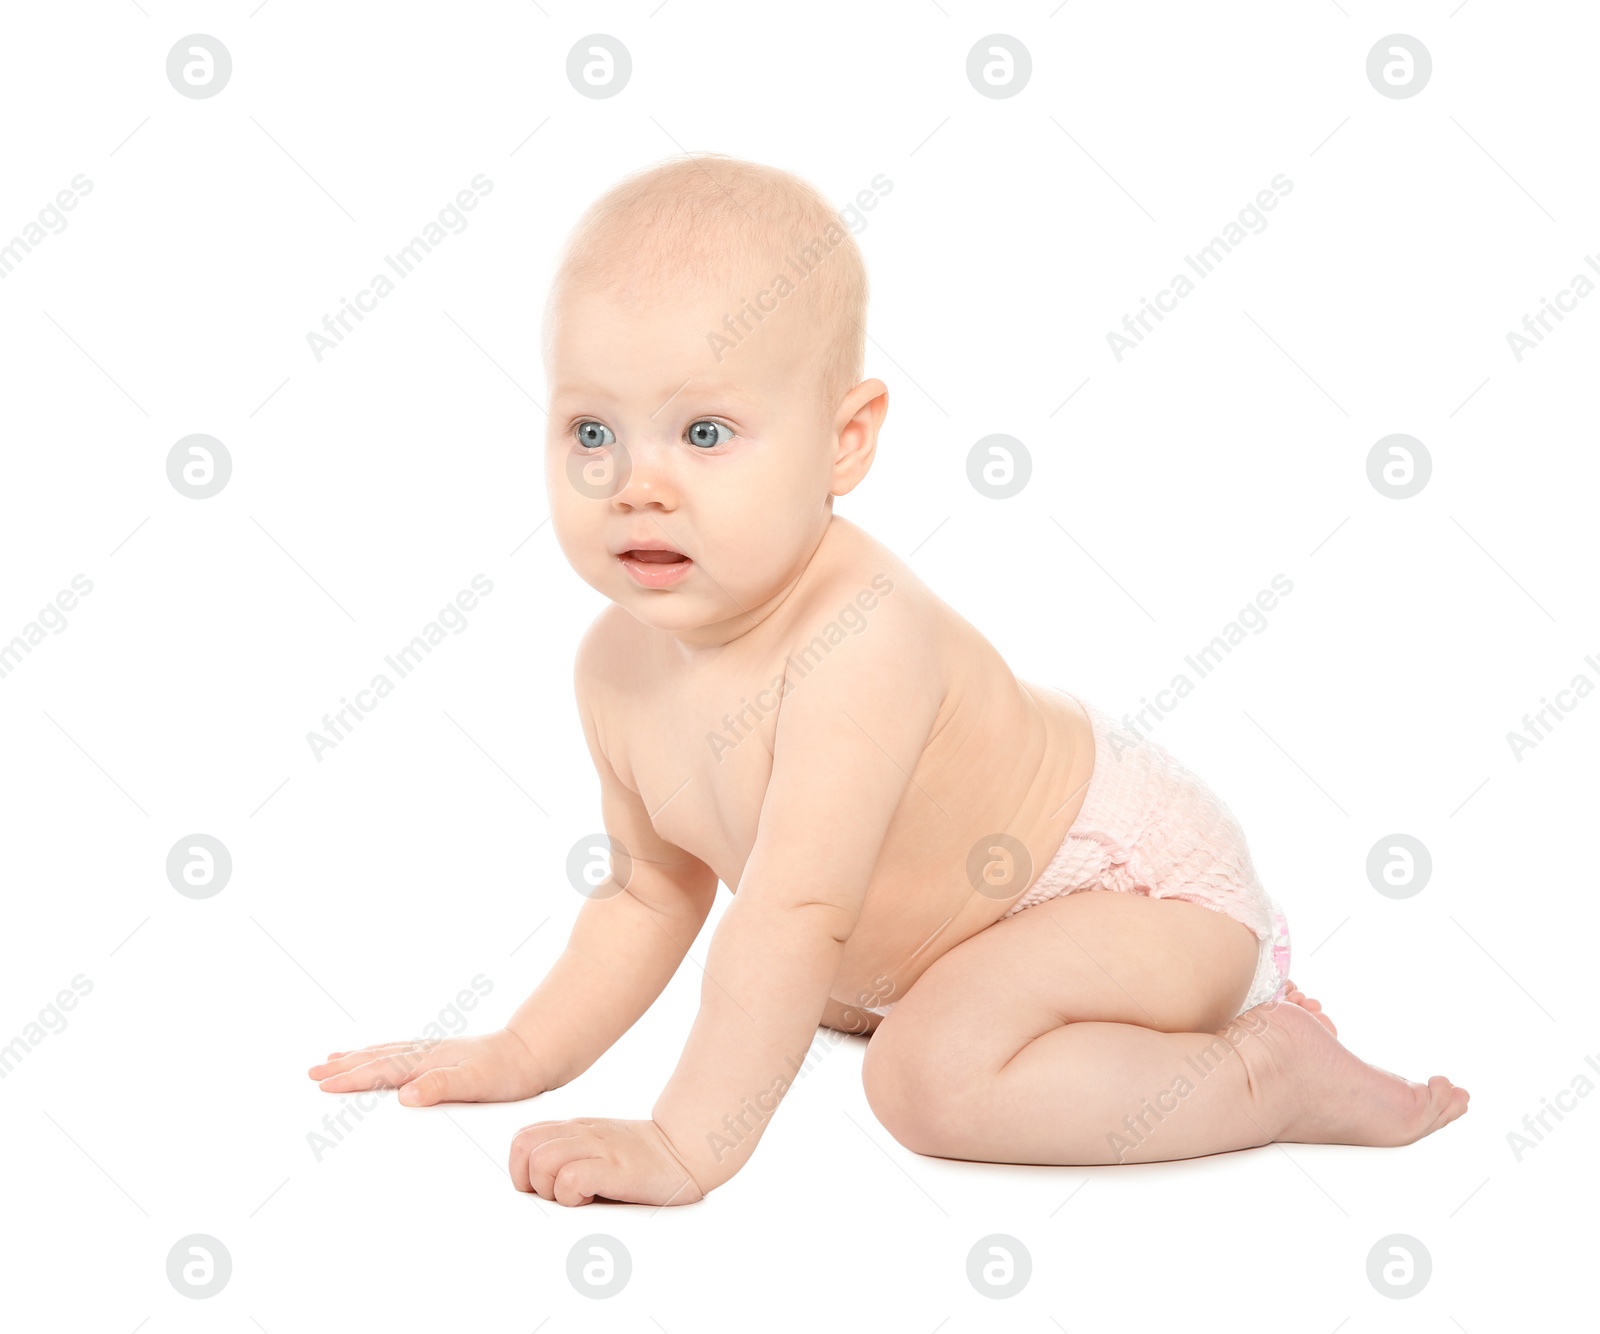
x: 1124, y: 1048
x: 1003, y: 756
x: 799, y: 717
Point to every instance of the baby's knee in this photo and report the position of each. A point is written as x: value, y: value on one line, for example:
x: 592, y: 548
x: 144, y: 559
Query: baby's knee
x: 913, y: 1090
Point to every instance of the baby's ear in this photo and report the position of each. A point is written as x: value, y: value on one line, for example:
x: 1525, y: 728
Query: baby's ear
x: 860, y: 418
x: 869, y: 398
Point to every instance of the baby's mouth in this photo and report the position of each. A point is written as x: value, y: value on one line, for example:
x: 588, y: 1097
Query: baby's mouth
x: 656, y: 568
x: 655, y: 557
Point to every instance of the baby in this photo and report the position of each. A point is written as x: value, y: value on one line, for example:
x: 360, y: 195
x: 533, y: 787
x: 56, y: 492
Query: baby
x: 912, y: 835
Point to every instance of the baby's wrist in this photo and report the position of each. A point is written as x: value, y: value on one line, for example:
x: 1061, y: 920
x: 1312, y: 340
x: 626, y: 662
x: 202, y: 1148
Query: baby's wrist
x: 700, y: 1164
x: 711, y: 1152
x: 535, y: 1062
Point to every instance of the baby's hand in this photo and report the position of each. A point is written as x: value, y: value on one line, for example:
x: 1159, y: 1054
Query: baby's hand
x: 574, y: 1162
x: 496, y: 1067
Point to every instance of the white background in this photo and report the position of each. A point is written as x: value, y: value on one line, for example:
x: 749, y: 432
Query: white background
x: 367, y: 489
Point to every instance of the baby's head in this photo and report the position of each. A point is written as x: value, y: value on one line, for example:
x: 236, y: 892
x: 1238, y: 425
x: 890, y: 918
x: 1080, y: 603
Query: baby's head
x: 703, y: 347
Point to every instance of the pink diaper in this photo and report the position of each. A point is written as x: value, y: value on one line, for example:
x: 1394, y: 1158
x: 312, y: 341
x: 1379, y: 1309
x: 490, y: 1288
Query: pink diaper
x: 1150, y: 826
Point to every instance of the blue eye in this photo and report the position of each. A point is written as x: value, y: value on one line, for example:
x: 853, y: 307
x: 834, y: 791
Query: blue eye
x: 591, y: 435
x: 703, y: 433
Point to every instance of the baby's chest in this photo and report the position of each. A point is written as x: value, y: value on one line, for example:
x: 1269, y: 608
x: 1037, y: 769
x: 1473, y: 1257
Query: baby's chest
x: 702, y: 783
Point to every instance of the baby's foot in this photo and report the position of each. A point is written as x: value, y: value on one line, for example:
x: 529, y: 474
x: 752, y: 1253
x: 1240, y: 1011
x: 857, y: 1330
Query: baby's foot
x: 1295, y: 996
x: 1321, y: 1093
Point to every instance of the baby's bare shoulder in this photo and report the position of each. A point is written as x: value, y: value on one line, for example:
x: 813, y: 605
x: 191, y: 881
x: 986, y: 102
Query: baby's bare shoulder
x: 861, y: 589
x: 608, y: 673
x: 607, y: 665
x: 603, y: 651
x: 866, y: 614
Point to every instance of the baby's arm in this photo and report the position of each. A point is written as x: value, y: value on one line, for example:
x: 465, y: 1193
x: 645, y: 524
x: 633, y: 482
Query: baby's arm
x: 628, y: 940
x: 625, y: 946
x: 848, y: 738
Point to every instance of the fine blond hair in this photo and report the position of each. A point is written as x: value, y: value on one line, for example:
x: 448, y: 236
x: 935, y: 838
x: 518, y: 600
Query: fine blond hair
x: 766, y: 238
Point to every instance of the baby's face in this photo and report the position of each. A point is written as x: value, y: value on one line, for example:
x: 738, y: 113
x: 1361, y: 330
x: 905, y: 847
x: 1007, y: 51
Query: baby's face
x: 653, y: 441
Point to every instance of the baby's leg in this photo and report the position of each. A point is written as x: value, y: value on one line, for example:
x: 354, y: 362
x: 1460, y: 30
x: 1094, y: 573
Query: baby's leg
x: 1095, y: 1028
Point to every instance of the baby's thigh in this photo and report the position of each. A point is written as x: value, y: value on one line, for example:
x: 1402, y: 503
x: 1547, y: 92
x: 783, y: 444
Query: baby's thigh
x: 1165, y: 964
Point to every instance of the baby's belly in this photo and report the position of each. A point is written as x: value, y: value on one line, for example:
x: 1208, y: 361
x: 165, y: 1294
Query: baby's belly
x: 942, y: 881
x: 897, y: 938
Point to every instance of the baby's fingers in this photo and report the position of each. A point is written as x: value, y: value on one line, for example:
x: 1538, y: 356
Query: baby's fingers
x: 390, y: 1070
x: 340, y: 1061
x: 525, y: 1173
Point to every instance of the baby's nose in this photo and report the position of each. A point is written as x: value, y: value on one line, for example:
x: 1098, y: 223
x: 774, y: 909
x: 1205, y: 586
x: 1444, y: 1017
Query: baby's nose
x: 648, y: 479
